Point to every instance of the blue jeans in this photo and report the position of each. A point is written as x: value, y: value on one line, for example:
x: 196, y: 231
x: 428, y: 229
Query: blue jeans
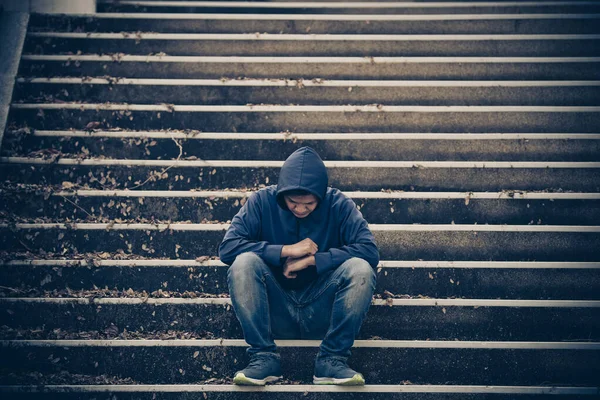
x: 331, y: 308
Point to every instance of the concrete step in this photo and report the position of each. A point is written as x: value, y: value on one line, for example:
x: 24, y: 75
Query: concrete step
x: 321, y: 23
x: 345, y: 175
x: 196, y: 67
x: 324, y: 45
x: 382, y: 362
x: 313, y: 118
x: 395, y: 242
x: 398, y: 319
x: 348, y: 8
x: 330, y: 146
x: 436, y: 279
x: 321, y: 92
x: 56, y: 203
x: 286, y: 392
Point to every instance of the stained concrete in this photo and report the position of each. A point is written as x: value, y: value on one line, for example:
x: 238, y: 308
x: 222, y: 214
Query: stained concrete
x: 13, y: 27
x: 50, y: 6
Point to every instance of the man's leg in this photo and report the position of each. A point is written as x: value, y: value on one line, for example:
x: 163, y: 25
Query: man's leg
x: 347, y: 292
x: 258, y: 299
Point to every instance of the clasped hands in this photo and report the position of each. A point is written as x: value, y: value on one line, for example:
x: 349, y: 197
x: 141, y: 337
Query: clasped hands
x: 299, y: 256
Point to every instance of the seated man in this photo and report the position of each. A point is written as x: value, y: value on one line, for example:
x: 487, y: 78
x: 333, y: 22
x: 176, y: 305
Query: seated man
x: 302, y: 262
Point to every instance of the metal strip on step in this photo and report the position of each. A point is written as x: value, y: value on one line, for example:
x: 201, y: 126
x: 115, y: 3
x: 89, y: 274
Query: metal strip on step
x: 334, y: 17
x: 487, y: 303
x: 480, y: 228
x: 307, y: 60
x: 416, y: 344
x: 491, y: 264
x: 184, y: 388
x: 284, y: 136
x: 118, y: 227
x: 308, y: 37
x: 358, y: 4
x: 278, y: 164
x: 307, y: 83
x: 476, y: 303
x: 121, y: 263
x: 383, y: 264
x: 373, y: 227
x: 251, y: 108
x: 506, y: 195
x: 160, y: 194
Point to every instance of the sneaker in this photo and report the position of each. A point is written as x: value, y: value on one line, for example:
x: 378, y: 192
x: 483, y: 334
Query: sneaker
x: 263, y: 368
x: 335, y: 371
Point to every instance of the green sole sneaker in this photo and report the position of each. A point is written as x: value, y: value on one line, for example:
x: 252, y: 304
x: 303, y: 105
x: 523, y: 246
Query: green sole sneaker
x: 241, y: 379
x: 356, y: 380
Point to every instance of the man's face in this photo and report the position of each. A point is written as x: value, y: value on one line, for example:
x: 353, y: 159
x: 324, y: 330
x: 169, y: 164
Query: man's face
x: 301, y: 206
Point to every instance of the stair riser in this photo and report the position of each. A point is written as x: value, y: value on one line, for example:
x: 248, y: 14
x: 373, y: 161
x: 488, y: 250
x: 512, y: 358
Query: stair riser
x: 214, y: 95
x: 502, y: 9
x: 249, y: 121
x: 379, y: 365
x: 376, y: 211
x: 433, y: 70
x: 513, y: 283
x: 393, y: 245
x: 576, y: 150
x: 394, y: 323
x: 291, y: 26
x: 316, y: 48
x: 408, y: 179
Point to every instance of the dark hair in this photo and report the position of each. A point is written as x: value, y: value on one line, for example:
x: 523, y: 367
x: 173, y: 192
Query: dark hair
x: 296, y: 192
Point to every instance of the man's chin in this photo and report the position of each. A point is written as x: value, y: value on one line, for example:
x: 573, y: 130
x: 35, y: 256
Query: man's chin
x: 301, y: 216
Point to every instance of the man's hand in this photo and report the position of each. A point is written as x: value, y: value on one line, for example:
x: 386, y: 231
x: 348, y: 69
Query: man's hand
x: 293, y: 265
x: 304, y: 248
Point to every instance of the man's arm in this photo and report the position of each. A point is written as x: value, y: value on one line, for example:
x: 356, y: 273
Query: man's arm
x: 243, y: 233
x: 357, y: 239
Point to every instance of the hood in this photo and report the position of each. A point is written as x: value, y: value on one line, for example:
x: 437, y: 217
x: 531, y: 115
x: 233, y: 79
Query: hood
x: 304, y: 170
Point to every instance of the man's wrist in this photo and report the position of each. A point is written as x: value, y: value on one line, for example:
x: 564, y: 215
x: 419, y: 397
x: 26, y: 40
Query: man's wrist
x: 284, y: 251
x: 310, y: 260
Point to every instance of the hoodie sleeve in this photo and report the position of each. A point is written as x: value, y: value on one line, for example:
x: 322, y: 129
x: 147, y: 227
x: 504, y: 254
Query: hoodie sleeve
x: 357, y: 239
x: 243, y: 235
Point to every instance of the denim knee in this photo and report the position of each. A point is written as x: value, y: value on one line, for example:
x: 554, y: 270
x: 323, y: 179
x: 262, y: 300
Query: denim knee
x: 244, y: 266
x: 358, y: 271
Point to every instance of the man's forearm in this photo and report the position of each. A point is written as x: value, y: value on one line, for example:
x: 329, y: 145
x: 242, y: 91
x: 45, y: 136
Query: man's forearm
x: 286, y: 252
x: 310, y: 260
x: 294, y: 265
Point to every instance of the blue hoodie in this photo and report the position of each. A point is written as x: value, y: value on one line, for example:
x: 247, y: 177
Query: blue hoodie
x: 265, y: 224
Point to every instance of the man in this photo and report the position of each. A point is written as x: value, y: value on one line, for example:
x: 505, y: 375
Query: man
x: 302, y: 262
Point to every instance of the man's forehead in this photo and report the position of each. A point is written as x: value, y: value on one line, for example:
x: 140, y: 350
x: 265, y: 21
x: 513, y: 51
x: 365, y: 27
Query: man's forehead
x: 303, y: 198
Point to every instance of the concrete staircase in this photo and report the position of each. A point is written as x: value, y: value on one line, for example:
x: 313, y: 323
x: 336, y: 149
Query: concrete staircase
x: 467, y: 133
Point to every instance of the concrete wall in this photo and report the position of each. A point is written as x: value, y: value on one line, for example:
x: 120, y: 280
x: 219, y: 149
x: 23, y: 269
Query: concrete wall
x: 50, y: 6
x: 14, y: 17
x: 13, y: 27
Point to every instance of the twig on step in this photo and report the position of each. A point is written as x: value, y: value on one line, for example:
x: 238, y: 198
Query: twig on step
x: 166, y: 169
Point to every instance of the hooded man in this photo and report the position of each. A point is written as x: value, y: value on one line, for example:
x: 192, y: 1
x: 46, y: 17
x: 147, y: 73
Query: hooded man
x: 302, y: 266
